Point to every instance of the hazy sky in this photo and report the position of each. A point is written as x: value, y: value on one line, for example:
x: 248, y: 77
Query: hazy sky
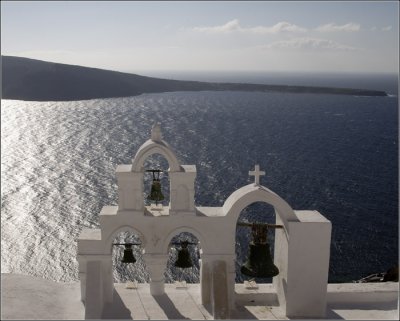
x: 264, y: 36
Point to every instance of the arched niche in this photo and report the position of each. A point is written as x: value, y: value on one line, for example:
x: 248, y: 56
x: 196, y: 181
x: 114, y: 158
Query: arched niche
x: 173, y: 233
x: 132, y: 272
x: 151, y: 147
x: 260, y: 212
x: 252, y: 193
x: 119, y: 230
x: 157, y: 161
x: 173, y: 273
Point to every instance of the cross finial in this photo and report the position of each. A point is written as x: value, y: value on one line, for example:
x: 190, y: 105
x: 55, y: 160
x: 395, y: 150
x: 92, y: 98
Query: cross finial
x: 156, y: 132
x: 256, y: 173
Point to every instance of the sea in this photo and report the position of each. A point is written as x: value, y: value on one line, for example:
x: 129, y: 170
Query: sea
x: 335, y: 154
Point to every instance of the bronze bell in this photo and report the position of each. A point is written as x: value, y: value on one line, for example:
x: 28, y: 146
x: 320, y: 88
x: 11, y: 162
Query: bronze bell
x: 259, y: 264
x: 184, y: 260
x: 128, y: 254
x: 155, y: 192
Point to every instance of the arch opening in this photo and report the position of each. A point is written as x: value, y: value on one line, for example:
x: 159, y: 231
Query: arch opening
x: 156, y: 161
x: 129, y: 272
x: 256, y: 212
x: 150, y: 148
x: 251, y: 193
x: 173, y: 273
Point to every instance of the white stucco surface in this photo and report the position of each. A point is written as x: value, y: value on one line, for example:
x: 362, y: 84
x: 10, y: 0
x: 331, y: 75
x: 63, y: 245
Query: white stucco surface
x: 302, y: 253
x: 27, y: 297
x: 301, y: 249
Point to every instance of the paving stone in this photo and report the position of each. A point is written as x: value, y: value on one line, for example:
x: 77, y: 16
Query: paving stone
x: 26, y: 297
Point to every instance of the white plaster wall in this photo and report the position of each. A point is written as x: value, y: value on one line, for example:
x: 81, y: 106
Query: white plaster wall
x: 308, y: 265
x: 151, y: 147
x: 301, y: 248
x: 363, y: 293
x: 281, y: 260
x: 94, y: 292
x: 217, y: 240
x: 252, y: 193
x: 130, y: 188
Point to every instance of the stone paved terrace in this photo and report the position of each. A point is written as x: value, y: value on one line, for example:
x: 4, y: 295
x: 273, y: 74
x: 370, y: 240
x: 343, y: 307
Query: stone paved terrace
x: 26, y: 297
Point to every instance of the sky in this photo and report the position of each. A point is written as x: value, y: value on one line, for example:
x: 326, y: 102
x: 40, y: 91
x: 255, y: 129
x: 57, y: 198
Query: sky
x: 309, y: 36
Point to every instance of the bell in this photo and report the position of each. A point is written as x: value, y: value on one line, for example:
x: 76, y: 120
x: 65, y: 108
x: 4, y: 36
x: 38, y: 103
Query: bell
x: 259, y: 263
x: 155, y: 192
x: 184, y: 261
x: 128, y: 254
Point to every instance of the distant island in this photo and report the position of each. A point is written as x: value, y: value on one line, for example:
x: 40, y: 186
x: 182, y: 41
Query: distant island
x: 36, y: 80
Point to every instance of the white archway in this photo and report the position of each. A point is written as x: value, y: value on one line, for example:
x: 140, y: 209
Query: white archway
x: 126, y: 228
x: 182, y: 229
x: 252, y: 193
x: 151, y: 147
x: 303, y: 255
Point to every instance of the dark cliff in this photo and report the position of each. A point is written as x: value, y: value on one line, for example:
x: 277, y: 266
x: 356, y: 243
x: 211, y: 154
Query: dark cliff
x: 29, y: 79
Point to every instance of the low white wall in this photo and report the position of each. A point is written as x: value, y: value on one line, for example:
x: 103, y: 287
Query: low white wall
x: 364, y: 293
x: 303, y: 259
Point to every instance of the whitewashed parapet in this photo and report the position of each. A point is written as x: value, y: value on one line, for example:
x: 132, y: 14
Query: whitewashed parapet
x: 302, y: 246
x: 306, y: 278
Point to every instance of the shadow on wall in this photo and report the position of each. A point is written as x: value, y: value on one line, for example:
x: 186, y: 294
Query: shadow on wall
x: 168, y: 307
x: 117, y: 309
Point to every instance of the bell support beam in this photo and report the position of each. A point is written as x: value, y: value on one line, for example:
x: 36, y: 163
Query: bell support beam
x: 260, y: 224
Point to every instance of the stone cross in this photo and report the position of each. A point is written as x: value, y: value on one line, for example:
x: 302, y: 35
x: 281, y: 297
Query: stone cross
x: 256, y: 173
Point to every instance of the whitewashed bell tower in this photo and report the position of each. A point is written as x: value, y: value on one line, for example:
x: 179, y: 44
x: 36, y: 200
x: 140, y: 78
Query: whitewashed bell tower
x: 130, y: 178
x: 301, y: 246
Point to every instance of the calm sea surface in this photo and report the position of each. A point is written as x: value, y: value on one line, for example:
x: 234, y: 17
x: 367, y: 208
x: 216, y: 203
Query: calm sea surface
x: 334, y: 154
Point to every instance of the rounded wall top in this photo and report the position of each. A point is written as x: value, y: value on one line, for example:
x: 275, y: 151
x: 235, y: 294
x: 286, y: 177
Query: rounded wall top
x: 155, y: 145
x: 252, y: 193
